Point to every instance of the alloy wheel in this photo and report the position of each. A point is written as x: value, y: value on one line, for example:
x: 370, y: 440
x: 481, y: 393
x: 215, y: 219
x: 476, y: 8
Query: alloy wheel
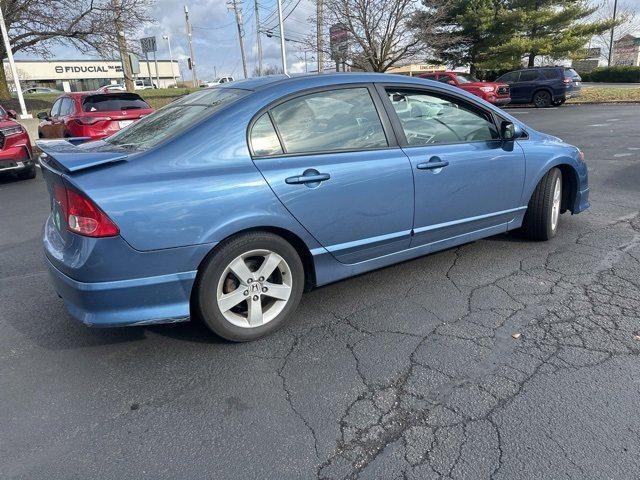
x: 555, y: 206
x: 254, y: 288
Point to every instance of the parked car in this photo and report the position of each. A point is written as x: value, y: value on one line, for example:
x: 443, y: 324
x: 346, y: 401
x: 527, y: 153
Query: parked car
x: 543, y: 86
x: 228, y: 203
x: 16, y: 155
x: 40, y: 90
x: 217, y: 81
x: 492, y: 92
x: 144, y: 84
x: 91, y: 114
x: 112, y: 87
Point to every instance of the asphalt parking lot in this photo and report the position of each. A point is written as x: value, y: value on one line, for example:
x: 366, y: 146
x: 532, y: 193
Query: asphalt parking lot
x: 408, y: 372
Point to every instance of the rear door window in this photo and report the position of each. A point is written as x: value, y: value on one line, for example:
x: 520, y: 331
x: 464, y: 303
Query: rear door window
x: 549, y: 73
x: 529, y: 75
x: 264, y: 139
x: 113, y: 102
x: 343, y: 119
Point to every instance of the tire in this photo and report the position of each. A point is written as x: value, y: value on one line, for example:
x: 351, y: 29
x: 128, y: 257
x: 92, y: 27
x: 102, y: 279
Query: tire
x: 543, y: 212
x: 557, y: 103
x: 28, y: 174
x: 219, y: 287
x: 542, y: 99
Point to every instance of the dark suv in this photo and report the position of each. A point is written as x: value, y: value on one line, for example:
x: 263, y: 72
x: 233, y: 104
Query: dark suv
x: 542, y: 86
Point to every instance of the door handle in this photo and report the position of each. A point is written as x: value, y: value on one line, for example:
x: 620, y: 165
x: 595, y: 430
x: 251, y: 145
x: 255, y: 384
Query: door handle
x: 433, y: 163
x: 312, y: 178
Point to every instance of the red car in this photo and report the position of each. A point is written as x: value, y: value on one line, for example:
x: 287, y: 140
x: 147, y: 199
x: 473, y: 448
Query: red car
x: 91, y: 114
x: 496, y: 93
x: 16, y: 155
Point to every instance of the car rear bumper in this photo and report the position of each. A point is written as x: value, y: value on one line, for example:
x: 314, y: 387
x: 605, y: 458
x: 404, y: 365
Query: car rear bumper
x: 137, y: 301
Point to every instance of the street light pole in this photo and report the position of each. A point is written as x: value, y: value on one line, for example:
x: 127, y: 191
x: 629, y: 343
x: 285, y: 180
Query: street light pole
x: 283, y: 53
x: 14, y: 70
x: 168, y: 39
x: 615, y: 9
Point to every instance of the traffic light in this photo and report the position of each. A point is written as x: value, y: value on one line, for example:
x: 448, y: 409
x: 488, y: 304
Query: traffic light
x: 189, y: 63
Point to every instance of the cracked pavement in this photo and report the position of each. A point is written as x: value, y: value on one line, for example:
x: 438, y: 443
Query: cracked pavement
x: 410, y: 372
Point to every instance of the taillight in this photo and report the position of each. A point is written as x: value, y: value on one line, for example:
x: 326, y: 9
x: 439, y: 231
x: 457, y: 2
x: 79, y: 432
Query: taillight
x: 91, y: 120
x: 567, y: 80
x: 82, y: 215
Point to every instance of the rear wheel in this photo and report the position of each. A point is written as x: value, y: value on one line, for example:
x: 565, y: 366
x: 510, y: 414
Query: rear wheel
x: 543, y: 212
x: 250, y: 286
x: 542, y: 99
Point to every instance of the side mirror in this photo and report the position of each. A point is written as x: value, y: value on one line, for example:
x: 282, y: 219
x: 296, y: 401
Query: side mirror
x: 12, y: 114
x: 510, y: 131
x: 43, y: 115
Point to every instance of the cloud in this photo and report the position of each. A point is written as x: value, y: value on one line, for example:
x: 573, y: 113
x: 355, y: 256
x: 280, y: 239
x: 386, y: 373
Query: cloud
x: 215, y: 37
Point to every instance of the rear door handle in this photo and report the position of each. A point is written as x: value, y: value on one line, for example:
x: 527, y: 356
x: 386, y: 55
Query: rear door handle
x: 433, y: 163
x: 312, y: 178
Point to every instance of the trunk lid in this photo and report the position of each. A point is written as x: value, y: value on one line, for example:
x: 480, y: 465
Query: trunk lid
x: 68, y: 156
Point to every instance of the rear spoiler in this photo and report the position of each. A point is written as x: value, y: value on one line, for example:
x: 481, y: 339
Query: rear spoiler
x: 70, y: 157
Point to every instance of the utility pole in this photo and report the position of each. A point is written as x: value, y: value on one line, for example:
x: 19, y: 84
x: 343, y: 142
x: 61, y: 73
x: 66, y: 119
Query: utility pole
x: 319, y: 21
x: 283, y: 53
x: 155, y: 61
x: 168, y: 39
x: 14, y: 70
x: 193, y: 60
x: 122, y: 47
x: 236, y: 6
x: 257, y: 13
x: 615, y: 9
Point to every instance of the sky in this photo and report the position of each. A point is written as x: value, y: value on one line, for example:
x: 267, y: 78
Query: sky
x: 215, y: 36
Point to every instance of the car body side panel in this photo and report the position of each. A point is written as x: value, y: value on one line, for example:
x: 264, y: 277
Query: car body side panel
x: 207, y: 191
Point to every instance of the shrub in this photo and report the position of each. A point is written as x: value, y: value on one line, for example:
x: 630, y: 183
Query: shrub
x: 613, y: 75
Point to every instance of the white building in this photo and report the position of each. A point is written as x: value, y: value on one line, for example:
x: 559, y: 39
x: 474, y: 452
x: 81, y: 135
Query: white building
x: 83, y: 75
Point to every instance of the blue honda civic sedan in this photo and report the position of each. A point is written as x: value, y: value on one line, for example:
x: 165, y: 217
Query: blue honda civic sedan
x: 228, y: 203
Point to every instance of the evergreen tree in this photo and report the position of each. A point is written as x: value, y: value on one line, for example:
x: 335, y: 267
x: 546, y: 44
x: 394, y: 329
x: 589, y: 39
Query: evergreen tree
x: 473, y: 28
x: 499, y: 33
x: 554, y: 28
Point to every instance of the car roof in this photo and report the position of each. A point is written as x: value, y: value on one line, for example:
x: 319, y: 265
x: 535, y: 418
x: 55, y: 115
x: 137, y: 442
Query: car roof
x: 313, y: 80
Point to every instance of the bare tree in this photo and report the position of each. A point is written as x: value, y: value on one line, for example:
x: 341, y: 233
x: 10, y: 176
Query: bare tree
x: 629, y: 23
x: 380, y: 31
x: 89, y: 25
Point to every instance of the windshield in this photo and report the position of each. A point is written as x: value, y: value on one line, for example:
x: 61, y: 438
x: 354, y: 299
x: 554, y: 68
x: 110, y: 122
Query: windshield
x: 174, y: 118
x: 466, y: 78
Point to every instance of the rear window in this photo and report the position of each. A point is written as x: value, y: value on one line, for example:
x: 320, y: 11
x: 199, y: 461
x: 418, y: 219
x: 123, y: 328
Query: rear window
x: 570, y: 73
x: 113, y: 102
x: 174, y: 118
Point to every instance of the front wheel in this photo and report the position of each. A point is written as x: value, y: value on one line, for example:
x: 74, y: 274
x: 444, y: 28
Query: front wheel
x: 542, y: 99
x: 250, y: 286
x: 543, y: 212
